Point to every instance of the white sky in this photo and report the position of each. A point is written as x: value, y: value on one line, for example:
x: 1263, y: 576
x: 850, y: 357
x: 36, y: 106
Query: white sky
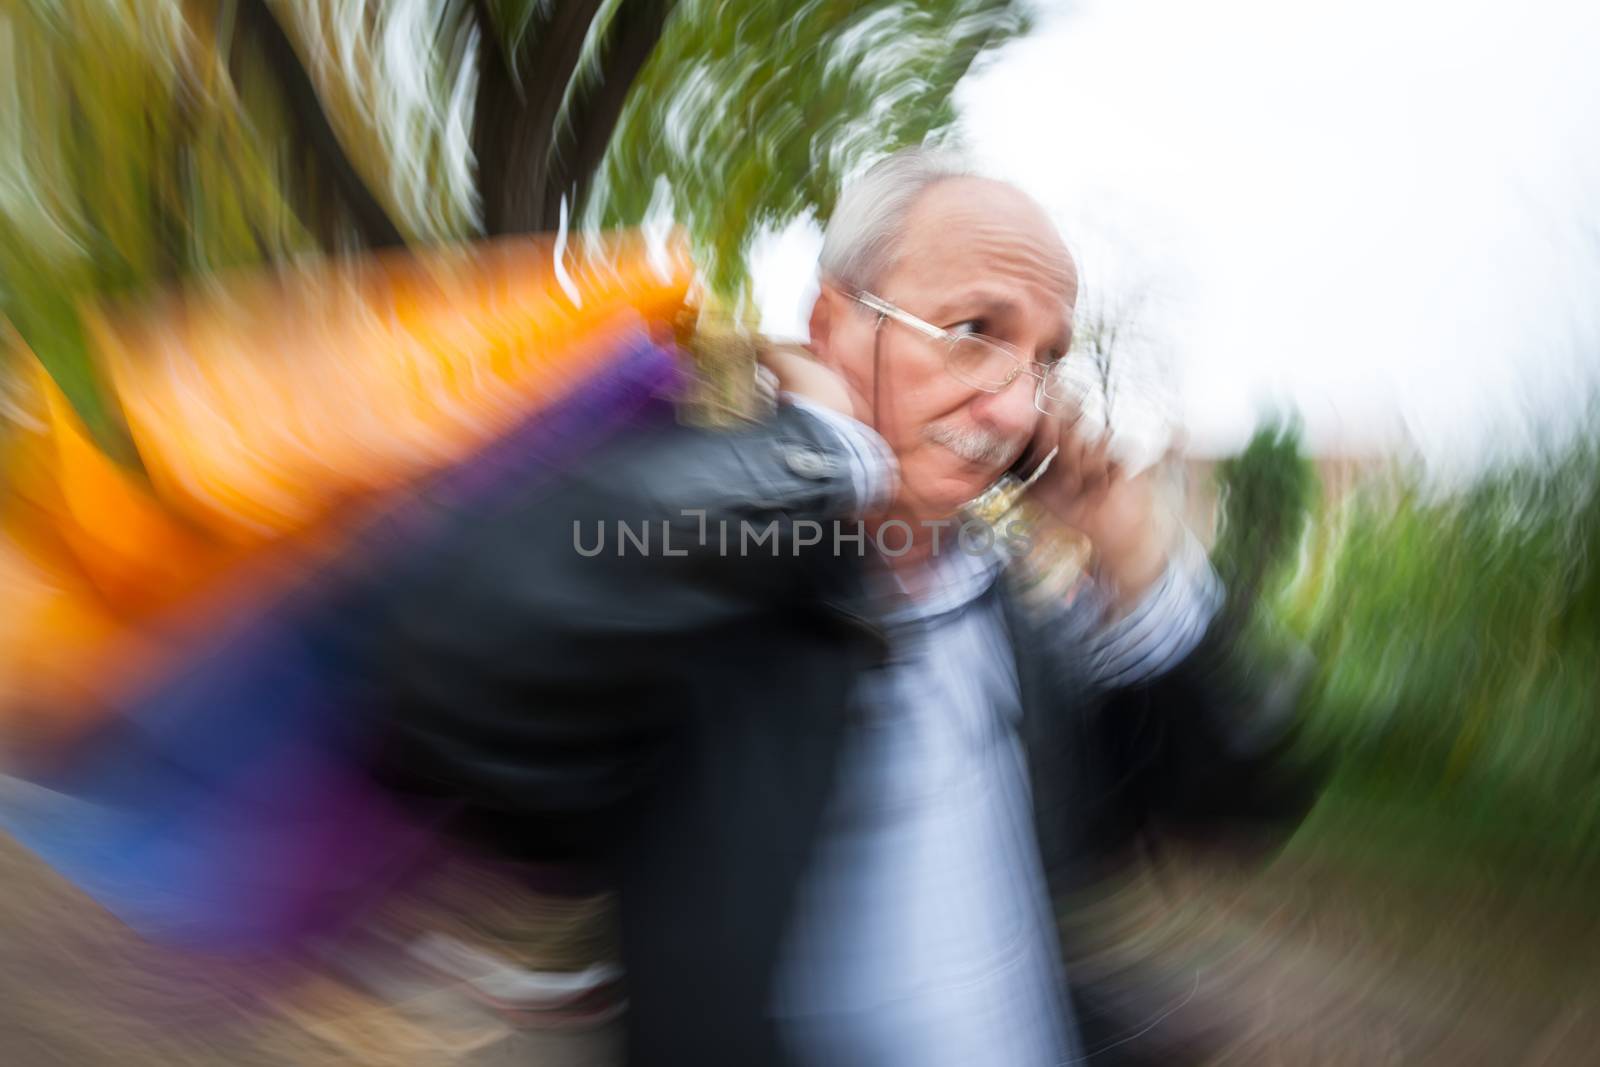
x: 1385, y: 215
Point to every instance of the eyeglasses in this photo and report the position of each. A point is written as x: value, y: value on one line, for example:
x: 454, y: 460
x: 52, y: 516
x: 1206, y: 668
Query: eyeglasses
x: 990, y: 365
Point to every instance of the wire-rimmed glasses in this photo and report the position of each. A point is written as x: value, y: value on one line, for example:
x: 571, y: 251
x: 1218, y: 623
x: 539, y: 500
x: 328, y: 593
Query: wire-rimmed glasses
x: 991, y: 365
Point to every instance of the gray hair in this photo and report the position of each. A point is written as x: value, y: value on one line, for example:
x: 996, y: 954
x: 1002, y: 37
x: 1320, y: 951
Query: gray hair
x: 863, y: 236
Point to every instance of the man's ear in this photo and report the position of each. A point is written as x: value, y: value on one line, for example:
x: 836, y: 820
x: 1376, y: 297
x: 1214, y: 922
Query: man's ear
x: 823, y: 315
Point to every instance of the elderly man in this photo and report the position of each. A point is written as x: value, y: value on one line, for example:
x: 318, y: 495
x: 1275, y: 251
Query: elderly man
x: 838, y: 783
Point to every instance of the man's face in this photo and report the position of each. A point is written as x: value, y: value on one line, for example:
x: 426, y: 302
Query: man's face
x: 976, y: 256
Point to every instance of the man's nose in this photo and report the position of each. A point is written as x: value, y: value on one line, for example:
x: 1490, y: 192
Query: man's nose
x: 1011, y: 411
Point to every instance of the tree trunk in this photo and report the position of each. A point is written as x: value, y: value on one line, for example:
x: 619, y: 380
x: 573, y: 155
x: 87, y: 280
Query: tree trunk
x: 525, y: 165
x: 586, y: 135
x: 316, y: 134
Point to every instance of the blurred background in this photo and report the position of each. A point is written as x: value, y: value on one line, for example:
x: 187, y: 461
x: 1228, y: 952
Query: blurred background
x: 1342, y: 275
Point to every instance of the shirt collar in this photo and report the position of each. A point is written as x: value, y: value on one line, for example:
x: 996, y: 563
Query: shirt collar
x: 958, y: 579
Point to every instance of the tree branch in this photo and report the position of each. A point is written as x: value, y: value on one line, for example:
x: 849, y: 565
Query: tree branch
x: 513, y: 126
x: 372, y: 221
x: 592, y: 120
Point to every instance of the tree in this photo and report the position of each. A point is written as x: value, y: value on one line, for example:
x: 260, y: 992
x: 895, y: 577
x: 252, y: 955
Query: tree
x: 750, y: 113
x: 1265, y: 497
x: 1098, y: 368
x: 158, y: 139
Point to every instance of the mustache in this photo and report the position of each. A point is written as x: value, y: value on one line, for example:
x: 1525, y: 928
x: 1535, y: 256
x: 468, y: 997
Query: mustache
x: 974, y: 444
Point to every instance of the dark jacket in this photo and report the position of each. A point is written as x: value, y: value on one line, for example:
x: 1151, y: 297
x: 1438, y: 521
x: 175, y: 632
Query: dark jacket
x: 677, y: 719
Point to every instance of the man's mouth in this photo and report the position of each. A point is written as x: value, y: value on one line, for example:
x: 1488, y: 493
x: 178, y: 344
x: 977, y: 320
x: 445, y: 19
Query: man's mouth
x: 976, y: 446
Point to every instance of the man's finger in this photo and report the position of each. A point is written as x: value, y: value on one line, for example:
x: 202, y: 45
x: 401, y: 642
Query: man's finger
x: 1070, y: 463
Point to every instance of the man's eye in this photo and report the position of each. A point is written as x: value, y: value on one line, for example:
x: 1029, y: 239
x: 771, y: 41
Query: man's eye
x: 966, y: 327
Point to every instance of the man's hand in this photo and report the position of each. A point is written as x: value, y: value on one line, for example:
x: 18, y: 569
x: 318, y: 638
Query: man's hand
x: 799, y: 372
x: 1087, y: 490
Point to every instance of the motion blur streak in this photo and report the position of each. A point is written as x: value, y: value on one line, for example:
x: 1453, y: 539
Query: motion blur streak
x: 265, y: 415
x: 281, y: 298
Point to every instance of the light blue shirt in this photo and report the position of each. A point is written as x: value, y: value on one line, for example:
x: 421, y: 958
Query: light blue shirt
x: 923, y: 932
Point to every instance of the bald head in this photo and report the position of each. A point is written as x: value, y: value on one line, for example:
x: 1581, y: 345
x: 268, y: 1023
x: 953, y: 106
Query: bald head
x: 972, y: 224
x: 866, y: 235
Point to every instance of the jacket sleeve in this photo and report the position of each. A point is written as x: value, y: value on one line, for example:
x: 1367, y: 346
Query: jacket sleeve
x: 1210, y: 746
x: 1173, y: 724
x: 533, y: 665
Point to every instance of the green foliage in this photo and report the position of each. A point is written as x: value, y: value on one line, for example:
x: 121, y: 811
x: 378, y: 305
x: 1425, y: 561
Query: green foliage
x: 1265, y: 495
x: 128, y: 155
x: 755, y: 112
x: 1457, y: 638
